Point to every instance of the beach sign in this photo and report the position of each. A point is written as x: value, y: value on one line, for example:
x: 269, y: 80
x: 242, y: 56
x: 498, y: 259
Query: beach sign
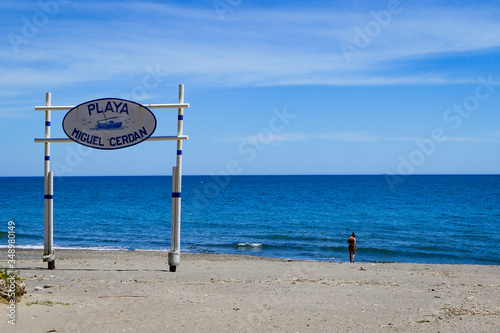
x: 109, y: 123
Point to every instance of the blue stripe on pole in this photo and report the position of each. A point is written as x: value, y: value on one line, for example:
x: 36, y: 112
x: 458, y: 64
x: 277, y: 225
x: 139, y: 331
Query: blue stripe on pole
x: 180, y: 117
x: 179, y: 152
x: 47, y: 158
x: 176, y: 194
x: 47, y: 123
x: 48, y: 196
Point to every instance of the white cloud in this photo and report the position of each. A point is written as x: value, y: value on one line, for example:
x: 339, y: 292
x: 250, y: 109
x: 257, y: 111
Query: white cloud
x: 493, y: 133
x: 293, y: 137
x: 355, y: 137
x: 267, y: 138
x: 347, y: 136
x: 250, y: 47
x: 470, y: 139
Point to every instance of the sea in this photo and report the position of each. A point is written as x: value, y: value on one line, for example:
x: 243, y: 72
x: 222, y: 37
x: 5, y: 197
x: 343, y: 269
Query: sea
x: 433, y: 219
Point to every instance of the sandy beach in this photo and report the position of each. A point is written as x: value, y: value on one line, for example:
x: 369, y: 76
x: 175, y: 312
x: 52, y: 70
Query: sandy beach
x: 128, y: 291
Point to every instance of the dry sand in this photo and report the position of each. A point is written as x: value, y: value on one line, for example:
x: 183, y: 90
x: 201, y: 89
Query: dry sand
x: 115, y: 291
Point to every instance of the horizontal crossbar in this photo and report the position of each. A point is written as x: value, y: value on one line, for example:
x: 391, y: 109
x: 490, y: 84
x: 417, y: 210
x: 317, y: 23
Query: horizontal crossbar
x: 149, y: 106
x: 152, y: 138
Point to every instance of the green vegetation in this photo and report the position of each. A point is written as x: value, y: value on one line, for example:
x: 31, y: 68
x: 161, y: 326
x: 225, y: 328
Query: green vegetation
x: 12, y: 286
x: 9, y: 276
x: 46, y: 303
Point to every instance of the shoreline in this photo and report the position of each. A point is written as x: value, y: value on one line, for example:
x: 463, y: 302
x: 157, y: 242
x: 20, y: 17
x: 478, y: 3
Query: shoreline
x: 33, y: 252
x: 113, y: 291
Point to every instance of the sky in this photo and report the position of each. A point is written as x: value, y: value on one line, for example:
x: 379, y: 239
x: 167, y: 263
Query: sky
x: 275, y: 87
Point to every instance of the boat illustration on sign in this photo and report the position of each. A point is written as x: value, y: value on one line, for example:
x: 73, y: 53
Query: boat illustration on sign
x: 107, y: 124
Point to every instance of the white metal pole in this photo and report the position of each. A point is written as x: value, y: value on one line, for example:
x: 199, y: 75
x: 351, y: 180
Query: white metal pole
x: 175, y: 245
x: 178, y: 169
x: 48, y: 254
x: 173, y: 255
x: 50, y: 230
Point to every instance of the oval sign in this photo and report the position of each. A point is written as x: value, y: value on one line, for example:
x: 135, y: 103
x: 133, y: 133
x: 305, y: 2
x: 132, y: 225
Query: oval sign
x: 109, y: 123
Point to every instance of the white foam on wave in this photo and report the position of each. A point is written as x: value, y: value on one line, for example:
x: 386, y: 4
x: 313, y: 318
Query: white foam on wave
x: 253, y: 245
x: 92, y: 248
x: 25, y: 247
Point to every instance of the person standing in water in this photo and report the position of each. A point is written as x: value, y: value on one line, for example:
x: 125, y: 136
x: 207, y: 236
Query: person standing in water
x: 352, y: 247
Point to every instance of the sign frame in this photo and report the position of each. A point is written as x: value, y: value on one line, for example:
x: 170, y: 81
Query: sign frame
x: 174, y: 253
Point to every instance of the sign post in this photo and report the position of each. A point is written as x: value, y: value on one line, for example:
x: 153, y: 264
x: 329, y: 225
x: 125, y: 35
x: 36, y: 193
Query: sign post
x: 112, y: 123
x: 48, y: 202
x: 175, y: 243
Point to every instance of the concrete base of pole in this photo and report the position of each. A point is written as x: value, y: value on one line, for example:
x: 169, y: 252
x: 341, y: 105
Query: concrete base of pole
x: 51, y: 260
x: 174, y: 259
x: 49, y: 257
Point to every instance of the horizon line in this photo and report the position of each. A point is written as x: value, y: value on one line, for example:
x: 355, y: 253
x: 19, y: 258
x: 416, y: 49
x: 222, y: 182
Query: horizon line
x: 275, y: 175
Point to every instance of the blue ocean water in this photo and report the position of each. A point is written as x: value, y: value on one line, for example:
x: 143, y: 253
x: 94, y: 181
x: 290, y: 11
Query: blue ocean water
x: 452, y: 219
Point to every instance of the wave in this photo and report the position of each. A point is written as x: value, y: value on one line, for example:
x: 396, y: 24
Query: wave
x: 25, y: 247
x: 333, y: 248
x: 299, y: 238
x: 376, y: 250
x: 250, y: 245
x: 154, y: 250
x: 92, y: 248
x: 5, y: 235
x: 99, y: 248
